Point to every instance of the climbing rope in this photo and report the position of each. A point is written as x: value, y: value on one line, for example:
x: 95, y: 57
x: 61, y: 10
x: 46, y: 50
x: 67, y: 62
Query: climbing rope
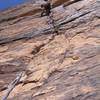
x: 12, y: 85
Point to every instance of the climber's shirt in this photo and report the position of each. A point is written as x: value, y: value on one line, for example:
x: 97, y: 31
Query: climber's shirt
x: 46, y: 8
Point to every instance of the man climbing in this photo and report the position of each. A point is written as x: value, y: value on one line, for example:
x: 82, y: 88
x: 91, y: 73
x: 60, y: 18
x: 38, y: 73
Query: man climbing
x: 46, y: 8
x: 47, y: 12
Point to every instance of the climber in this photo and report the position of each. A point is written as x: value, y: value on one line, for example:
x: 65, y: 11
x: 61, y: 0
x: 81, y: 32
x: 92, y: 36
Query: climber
x: 46, y: 8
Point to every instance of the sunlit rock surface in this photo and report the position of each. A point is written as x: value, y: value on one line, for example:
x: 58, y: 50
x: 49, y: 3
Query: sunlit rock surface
x: 64, y: 66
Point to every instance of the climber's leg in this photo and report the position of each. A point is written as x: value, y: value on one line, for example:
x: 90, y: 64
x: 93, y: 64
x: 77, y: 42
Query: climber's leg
x: 43, y: 13
x: 48, y: 12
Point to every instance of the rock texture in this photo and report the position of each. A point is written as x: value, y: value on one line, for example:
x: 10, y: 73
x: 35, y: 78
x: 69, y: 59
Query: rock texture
x: 63, y: 66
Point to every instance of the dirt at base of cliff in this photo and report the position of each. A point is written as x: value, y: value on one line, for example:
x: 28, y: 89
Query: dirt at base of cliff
x: 63, y: 66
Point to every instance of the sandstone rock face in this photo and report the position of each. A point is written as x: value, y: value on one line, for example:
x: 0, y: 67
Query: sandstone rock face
x: 63, y: 66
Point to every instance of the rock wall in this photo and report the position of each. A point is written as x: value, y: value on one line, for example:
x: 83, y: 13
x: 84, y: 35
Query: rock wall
x: 63, y: 66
